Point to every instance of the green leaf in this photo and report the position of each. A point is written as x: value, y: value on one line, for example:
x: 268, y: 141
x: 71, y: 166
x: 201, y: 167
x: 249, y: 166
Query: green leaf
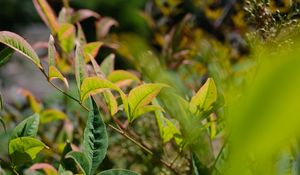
x: 120, y: 76
x: 93, y: 85
x: 66, y: 37
x: 146, y: 109
x: 198, y: 168
x: 5, y: 55
x: 167, y: 129
x: 50, y: 115
x: 2, y: 123
x: 54, y: 73
x: 205, y: 98
x: 51, y: 51
x: 1, y: 102
x: 107, y: 64
x: 47, y: 14
x: 80, y: 35
x: 67, y: 164
x: 92, y: 49
x: 19, y: 44
x: 95, y: 141
x: 117, y: 172
x: 111, y: 102
x: 27, y: 128
x: 24, y: 149
x: 141, y: 96
x: 81, y: 160
x: 79, y: 66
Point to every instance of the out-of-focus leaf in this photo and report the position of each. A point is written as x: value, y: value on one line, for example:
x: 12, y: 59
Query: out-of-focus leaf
x: 93, y: 85
x: 34, y: 104
x: 111, y: 102
x: 167, y: 129
x: 47, y: 15
x: 141, y: 96
x: 95, y: 141
x: 27, y: 128
x: 107, y: 64
x: 81, y: 160
x: 19, y: 44
x: 5, y: 55
x: 83, y: 14
x: 198, y: 168
x: 50, y: 115
x: 205, y: 97
x: 66, y: 37
x: 103, y: 26
x: 92, y: 49
x: 120, y: 76
x: 117, y: 172
x: 47, y: 168
x: 80, y: 35
x: 79, y: 66
x: 24, y: 149
x: 96, y: 67
x: 1, y: 102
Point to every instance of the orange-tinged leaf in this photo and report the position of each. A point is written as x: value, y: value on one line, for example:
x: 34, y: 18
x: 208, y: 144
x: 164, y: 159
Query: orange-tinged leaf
x: 54, y: 73
x: 92, y: 49
x: 47, y: 168
x: 66, y: 37
x: 120, y: 76
x: 34, y: 104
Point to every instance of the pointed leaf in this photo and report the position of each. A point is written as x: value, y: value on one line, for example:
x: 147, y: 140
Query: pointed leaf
x: 47, y: 168
x: 54, y: 73
x: 18, y: 43
x: 79, y: 66
x: 81, y: 160
x: 66, y: 37
x: 34, y: 104
x: 120, y: 76
x: 50, y: 115
x: 51, y: 51
x: 95, y: 141
x: 92, y: 49
x: 24, y: 149
x: 5, y: 55
x: 103, y: 26
x: 117, y: 172
x: 107, y: 64
x: 96, y: 67
x: 80, y: 35
x: 83, y: 14
x: 67, y: 164
x: 205, y: 97
x: 27, y: 127
x: 47, y: 15
x: 141, y: 96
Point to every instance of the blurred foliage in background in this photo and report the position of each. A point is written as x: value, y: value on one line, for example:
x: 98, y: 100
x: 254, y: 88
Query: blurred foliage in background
x: 242, y: 55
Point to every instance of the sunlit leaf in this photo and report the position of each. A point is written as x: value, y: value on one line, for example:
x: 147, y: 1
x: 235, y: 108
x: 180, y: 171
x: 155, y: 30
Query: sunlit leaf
x: 47, y: 168
x: 18, y: 43
x: 24, y: 149
x: 120, y: 76
x: 93, y: 85
x: 50, y: 115
x: 205, y: 97
x: 5, y: 55
x: 117, y: 172
x: 92, y: 49
x: 141, y: 96
x: 54, y: 73
x: 66, y: 37
x: 47, y: 15
x: 81, y: 160
x: 27, y: 127
x: 107, y: 64
x: 95, y: 141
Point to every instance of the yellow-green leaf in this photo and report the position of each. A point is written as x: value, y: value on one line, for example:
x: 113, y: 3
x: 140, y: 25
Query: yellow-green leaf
x: 47, y: 14
x: 34, y: 104
x: 145, y: 109
x: 19, y: 44
x: 79, y: 66
x: 54, y: 73
x: 50, y: 115
x: 120, y: 77
x: 111, y: 102
x: 5, y: 55
x: 24, y: 149
x: 92, y: 49
x: 205, y: 97
x: 141, y: 96
x: 107, y: 64
x: 66, y: 37
x: 27, y: 128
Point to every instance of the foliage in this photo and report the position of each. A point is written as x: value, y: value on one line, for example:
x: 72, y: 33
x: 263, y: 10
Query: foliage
x: 193, y: 103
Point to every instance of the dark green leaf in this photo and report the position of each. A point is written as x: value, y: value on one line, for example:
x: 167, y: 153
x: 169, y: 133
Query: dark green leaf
x: 5, y: 55
x: 81, y: 160
x: 27, y: 127
x: 95, y: 140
